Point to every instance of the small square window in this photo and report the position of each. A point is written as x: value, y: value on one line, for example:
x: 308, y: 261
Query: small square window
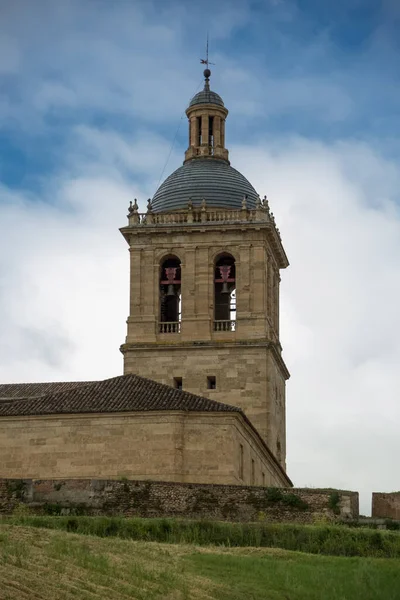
x: 178, y: 383
x: 211, y: 382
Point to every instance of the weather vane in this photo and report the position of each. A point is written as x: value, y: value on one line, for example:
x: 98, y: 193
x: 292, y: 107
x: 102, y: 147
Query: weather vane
x: 206, y: 61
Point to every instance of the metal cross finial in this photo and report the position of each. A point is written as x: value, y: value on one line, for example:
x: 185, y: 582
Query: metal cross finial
x: 206, y: 61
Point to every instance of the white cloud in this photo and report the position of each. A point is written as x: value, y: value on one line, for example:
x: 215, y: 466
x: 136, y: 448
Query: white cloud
x: 338, y: 211
x: 64, y: 286
x: 268, y: 95
x: 51, y: 95
x: 84, y: 56
x: 141, y: 61
x: 145, y: 153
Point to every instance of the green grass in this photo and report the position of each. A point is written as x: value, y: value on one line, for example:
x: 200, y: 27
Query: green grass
x: 54, y: 565
x: 295, y: 576
x: 331, y: 540
x: 40, y: 564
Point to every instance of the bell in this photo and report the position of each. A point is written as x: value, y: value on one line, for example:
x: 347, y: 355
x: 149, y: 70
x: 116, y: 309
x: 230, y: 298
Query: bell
x: 225, y: 289
x: 170, y: 290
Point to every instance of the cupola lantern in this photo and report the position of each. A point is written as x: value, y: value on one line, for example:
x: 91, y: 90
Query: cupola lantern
x: 206, y: 114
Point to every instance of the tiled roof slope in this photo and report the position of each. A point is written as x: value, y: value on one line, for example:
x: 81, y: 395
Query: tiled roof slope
x: 9, y: 391
x: 121, y: 394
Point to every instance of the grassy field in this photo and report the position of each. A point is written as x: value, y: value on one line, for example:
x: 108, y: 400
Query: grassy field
x: 46, y: 564
x: 333, y: 540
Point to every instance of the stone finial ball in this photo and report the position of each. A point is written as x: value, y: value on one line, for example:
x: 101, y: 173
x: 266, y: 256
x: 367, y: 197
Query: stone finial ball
x: 207, y: 73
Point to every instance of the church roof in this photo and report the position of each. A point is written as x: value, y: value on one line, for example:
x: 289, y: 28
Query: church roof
x: 9, y: 391
x: 127, y: 393
x: 209, y: 179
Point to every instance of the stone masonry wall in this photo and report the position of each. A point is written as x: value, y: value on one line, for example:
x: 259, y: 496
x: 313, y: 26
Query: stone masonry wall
x: 246, y: 361
x: 164, y: 446
x: 167, y: 499
x: 386, y: 506
x: 240, y: 372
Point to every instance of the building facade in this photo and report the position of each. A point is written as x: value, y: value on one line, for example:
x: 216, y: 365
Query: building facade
x: 202, y: 398
x: 205, y: 272
x: 129, y: 427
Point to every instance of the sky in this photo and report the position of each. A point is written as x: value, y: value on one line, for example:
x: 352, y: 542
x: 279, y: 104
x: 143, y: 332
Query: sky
x: 93, y: 93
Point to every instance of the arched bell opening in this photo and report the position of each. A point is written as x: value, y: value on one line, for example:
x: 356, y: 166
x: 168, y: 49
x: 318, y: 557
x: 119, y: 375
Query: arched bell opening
x: 225, y: 293
x: 170, y: 295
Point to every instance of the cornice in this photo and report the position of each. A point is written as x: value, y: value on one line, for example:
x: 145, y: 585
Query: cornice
x: 200, y: 345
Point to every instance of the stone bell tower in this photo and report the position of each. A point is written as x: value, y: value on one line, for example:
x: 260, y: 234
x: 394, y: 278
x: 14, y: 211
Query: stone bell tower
x: 204, y: 291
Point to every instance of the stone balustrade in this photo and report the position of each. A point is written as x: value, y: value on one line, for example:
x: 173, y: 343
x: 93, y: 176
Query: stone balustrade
x: 202, y: 214
x: 175, y: 326
x: 169, y: 327
x: 211, y: 216
x: 229, y: 325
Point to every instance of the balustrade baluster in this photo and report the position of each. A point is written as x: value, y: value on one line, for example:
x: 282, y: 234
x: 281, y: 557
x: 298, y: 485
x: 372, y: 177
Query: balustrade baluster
x: 210, y: 216
x: 229, y: 325
x: 169, y: 327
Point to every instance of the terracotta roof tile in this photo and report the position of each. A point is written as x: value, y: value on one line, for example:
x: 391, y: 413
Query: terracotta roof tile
x: 9, y: 391
x: 121, y: 394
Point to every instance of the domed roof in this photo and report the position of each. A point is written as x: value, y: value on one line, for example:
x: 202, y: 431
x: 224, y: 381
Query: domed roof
x: 213, y: 180
x: 206, y: 97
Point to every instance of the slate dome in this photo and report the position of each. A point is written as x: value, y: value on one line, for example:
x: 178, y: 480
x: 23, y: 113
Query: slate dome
x: 206, y: 97
x: 213, y: 180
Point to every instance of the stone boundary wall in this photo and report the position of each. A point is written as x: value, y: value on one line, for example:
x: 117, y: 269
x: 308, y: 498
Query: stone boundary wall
x: 386, y: 506
x: 184, y: 500
x: 374, y: 523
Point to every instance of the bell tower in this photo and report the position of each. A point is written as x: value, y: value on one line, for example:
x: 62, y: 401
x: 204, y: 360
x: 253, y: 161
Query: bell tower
x: 205, y: 263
